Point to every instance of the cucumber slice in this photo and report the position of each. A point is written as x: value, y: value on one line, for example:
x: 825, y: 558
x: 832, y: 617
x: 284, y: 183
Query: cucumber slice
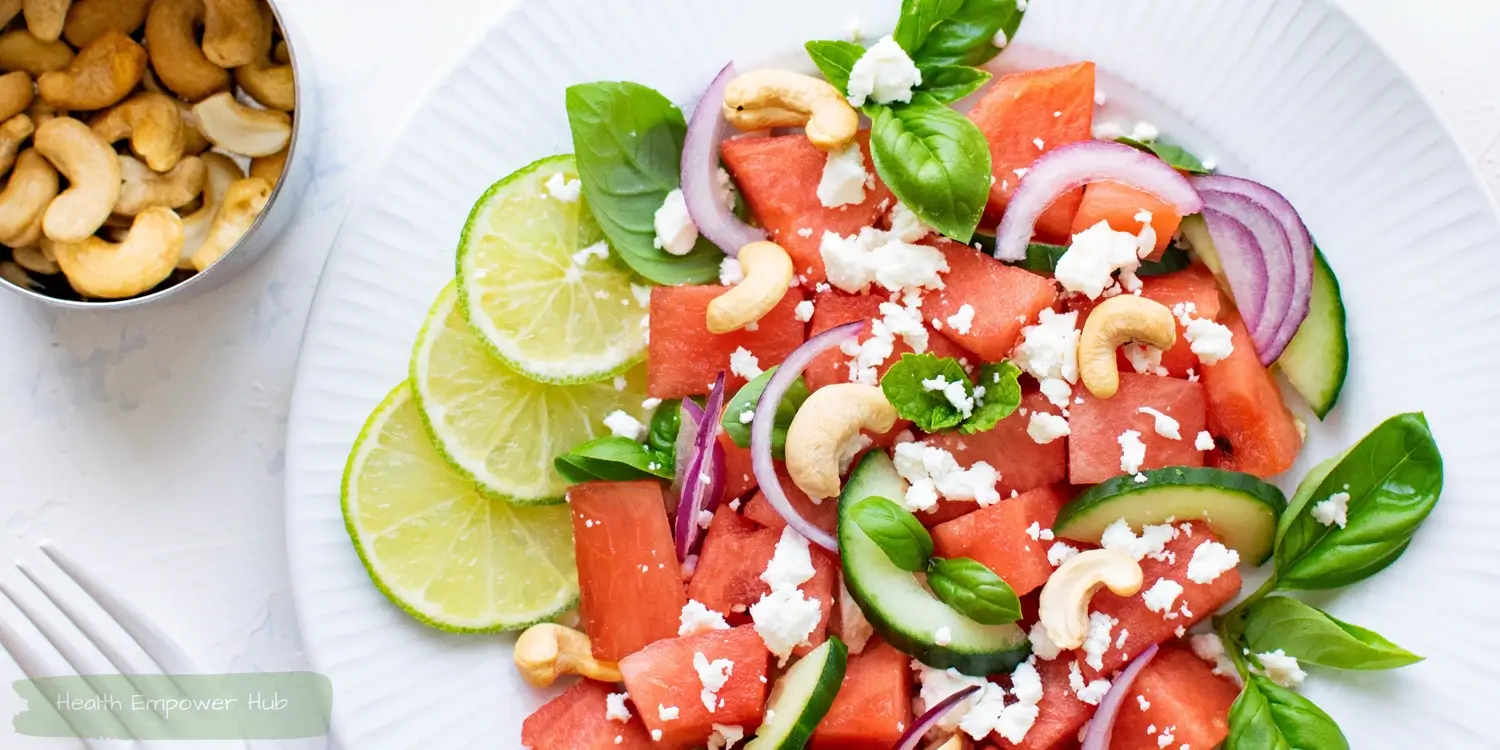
x: 1241, y: 509
x: 1316, y: 363
x: 802, y: 697
x: 896, y: 603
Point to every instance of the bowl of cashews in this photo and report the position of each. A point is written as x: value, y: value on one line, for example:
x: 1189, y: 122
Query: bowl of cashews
x: 148, y: 148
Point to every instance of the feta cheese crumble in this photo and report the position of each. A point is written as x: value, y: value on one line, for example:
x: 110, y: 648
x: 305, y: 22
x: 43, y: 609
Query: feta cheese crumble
x: 884, y: 74
x: 963, y: 320
x: 943, y: 636
x: 785, y: 618
x: 745, y: 364
x: 1060, y: 553
x: 1144, y: 359
x: 1209, y: 648
x: 984, y: 715
x: 956, y: 393
x: 623, y: 425
x: 598, y: 250
x: 939, y: 684
x: 1334, y: 510
x: 730, y: 271
x: 1045, y: 428
x: 1211, y: 342
x: 1018, y: 718
x: 713, y: 675
x: 1099, y: 637
x: 1161, y: 596
x: 844, y: 177
x: 615, y: 709
x: 564, y: 189
x: 1152, y: 541
x: 874, y: 256
x: 1088, y: 265
x: 697, y: 618
x: 1049, y: 352
x: 1000, y: 40
x: 1281, y: 669
x: 1090, y: 693
x: 1204, y: 441
x: 1037, y: 533
x: 1165, y: 426
x: 1132, y: 451
x: 668, y: 713
x: 803, y: 312
x: 1211, y: 560
x: 675, y: 231
x: 725, y: 736
x: 906, y: 226
x: 1042, y: 644
x: 932, y: 472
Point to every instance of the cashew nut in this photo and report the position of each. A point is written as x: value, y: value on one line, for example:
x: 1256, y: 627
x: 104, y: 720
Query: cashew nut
x: 9, y: 9
x: 768, y: 271
x: 830, y: 418
x: 152, y: 122
x: 13, y: 133
x: 32, y: 187
x: 171, y: 35
x: 99, y: 268
x: 40, y: 111
x: 144, y: 187
x: 36, y: 259
x: 242, y: 204
x: 270, y: 84
x: 16, y: 93
x: 282, y: 53
x: 1116, y: 321
x: 1064, y: 611
x: 91, y: 166
x: 243, y: 130
x: 102, y: 74
x: 222, y: 172
x: 87, y: 19
x: 19, y: 50
x: 269, y: 168
x: 45, y: 18
x: 236, y: 32
x: 17, y: 275
x: 779, y: 99
x: 547, y: 651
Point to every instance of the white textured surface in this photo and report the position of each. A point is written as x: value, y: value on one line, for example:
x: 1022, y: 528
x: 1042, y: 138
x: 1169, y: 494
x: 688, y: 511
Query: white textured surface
x: 150, y: 444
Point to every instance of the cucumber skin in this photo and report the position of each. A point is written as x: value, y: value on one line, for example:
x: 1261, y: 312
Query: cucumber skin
x: 834, y: 667
x: 1315, y: 364
x: 939, y: 657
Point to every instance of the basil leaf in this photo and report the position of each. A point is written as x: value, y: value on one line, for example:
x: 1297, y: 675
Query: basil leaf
x: 1304, y: 494
x: 1176, y: 157
x: 1002, y: 395
x: 973, y: 590
x: 1315, y: 637
x: 745, y: 400
x: 1174, y: 259
x: 918, y: 18
x: 835, y: 59
x: 662, y: 436
x: 949, y: 83
x: 628, y: 140
x: 930, y: 410
x: 897, y: 532
x: 935, y: 160
x: 1269, y: 717
x: 1393, y: 478
x: 966, y: 36
x: 613, y: 459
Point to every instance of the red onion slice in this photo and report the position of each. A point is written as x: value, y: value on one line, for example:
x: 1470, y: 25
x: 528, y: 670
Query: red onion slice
x: 1300, y: 240
x: 1244, y: 264
x: 1277, y: 250
x: 914, y: 733
x: 1103, y: 723
x: 700, y: 172
x: 765, y: 420
x: 1078, y: 164
x: 689, y: 422
x: 703, y: 485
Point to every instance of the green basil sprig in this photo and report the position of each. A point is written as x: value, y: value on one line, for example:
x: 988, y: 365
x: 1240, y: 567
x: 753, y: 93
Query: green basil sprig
x: 932, y: 411
x: 628, y: 143
x: 895, y: 530
x: 949, y: 83
x: 1316, y: 637
x: 745, y: 400
x: 1269, y: 717
x: 965, y: 36
x: 835, y: 58
x: 1175, y: 156
x: 935, y: 160
x: 973, y: 590
x: 613, y: 459
x: 665, y: 423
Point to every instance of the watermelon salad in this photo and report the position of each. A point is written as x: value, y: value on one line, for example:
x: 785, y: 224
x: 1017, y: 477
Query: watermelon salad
x: 963, y: 417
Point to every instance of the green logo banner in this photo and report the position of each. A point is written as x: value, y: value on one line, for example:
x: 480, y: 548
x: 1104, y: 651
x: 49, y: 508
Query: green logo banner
x: 261, y: 706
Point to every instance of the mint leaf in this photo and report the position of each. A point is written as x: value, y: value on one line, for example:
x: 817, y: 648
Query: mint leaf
x: 918, y: 18
x: 949, y: 83
x: 835, y: 59
x: 1315, y: 637
x: 613, y: 459
x: 928, y: 409
x: 966, y: 36
x: 935, y: 160
x: 973, y: 590
x: 628, y: 143
x: 1176, y: 157
x: 1002, y: 395
x: 1269, y: 717
x: 745, y: 400
x: 898, y: 533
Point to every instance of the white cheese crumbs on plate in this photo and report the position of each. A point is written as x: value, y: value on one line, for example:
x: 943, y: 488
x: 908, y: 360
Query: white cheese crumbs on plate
x: 623, y: 425
x: 1036, y: 532
x: 1045, y: 428
x: 1281, y: 669
x: 1132, y: 451
x: 1211, y: 342
x: 884, y: 74
x: 906, y: 225
x: 963, y: 320
x: 1049, y: 352
x: 1152, y: 541
x: 713, y: 675
x: 1100, y: 628
x: 874, y: 256
x: 1334, y: 510
x: 785, y: 618
x: 614, y: 707
x: 1162, y: 595
x: 1090, y: 693
x: 933, y: 472
x: 1060, y: 553
x: 744, y: 364
x: 1164, y: 426
x: 1211, y: 560
x: 1209, y: 648
x: 1204, y: 441
x: 803, y: 312
x: 1140, y: 700
x: 563, y: 189
x: 844, y: 176
x: 656, y: 735
x: 667, y: 713
x: 675, y: 231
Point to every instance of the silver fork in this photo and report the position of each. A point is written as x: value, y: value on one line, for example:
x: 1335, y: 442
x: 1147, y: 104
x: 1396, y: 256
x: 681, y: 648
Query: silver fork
x: 134, y: 645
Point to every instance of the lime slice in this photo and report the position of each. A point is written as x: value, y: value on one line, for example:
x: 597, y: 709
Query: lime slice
x: 497, y: 427
x: 449, y: 556
x: 540, y: 287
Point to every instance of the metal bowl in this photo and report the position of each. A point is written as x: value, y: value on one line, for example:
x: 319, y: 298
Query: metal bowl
x: 286, y: 196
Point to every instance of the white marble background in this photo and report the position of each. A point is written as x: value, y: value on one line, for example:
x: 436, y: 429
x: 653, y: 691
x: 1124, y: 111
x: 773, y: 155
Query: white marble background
x: 149, y: 443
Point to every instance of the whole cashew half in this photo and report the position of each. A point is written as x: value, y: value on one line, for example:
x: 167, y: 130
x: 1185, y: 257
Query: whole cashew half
x: 19, y: 50
x: 764, y: 99
x: 154, y: 125
x: 36, y: 259
x: 222, y: 172
x: 236, y: 32
x: 102, y: 74
x: 1116, y: 321
x: 9, y: 9
x: 547, y: 651
x: 40, y: 111
x: 171, y: 35
x: 32, y: 187
x: 102, y: 269
x: 768, y: 272
x: 87, y: 19
x: 243, y: 202
x: 91, y: 166
x: 16, y: 93
x: 242, y: 130
x: 13, y: 133
x: 271, y: 84
x: 45, y: 18
x: 1066, y: 596
x: 826, y: 422
x: 144, y: 187
x: 269, y: 168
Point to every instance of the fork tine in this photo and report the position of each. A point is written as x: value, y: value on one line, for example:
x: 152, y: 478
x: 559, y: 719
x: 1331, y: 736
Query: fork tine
x: 34, y: 664
x: 162, y: 649
x: 126, y: 663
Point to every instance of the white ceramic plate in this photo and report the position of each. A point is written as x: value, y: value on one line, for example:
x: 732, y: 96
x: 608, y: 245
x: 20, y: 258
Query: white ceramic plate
x: 1288, y: 92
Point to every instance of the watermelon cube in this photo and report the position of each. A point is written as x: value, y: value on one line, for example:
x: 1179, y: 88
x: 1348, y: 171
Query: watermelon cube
x: 1023, y: 465
x: 1094, y: 449
x: 662, y: 677
x: 1061, y: 714
x: 575, y: 721
x: 1256, y: 433
x: 1176, y: 692
x: 873, y: 705
x: 739, y: 476
x: 1004, y: 298
x: 1118, y: 205
x: 628, y: 576
x: 779, y: 176
x: 834, y: 308
x: 683, y: 358
x: 997, y: 537
x: 824, y: 515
